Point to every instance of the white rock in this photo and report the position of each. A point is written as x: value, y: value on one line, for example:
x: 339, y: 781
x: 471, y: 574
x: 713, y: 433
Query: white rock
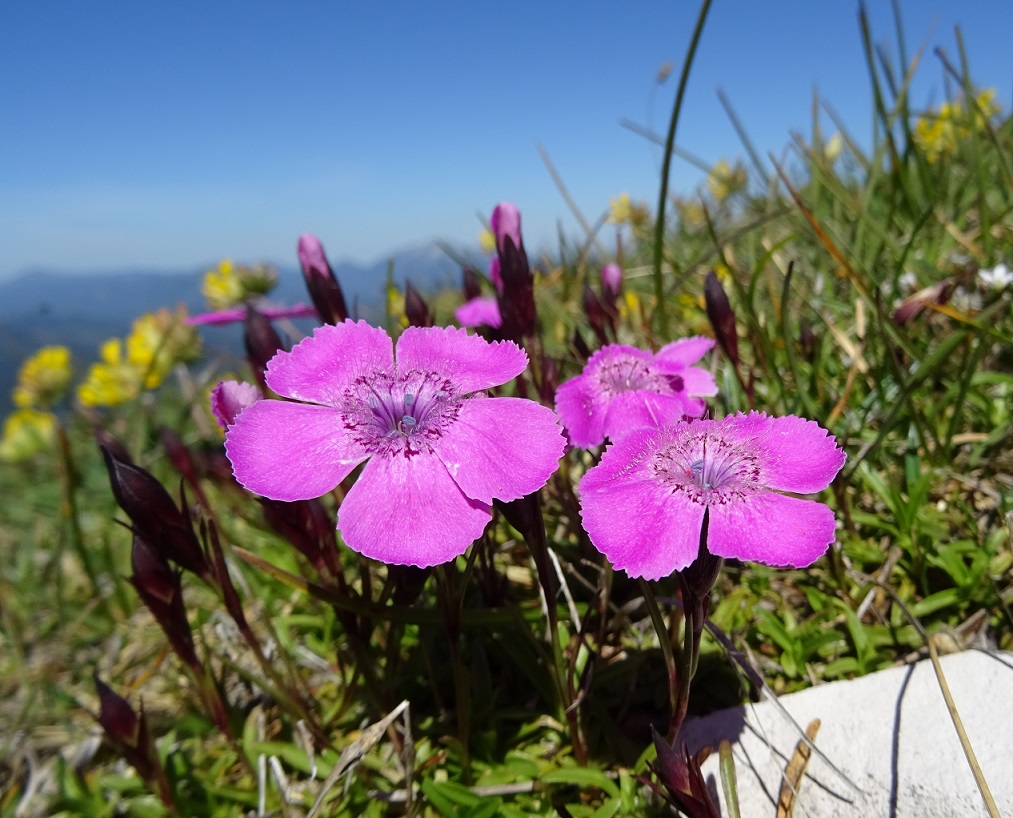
x: 889, y: 733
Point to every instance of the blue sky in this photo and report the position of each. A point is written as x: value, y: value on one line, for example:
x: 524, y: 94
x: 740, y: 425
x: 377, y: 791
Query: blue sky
x: 170, y: 134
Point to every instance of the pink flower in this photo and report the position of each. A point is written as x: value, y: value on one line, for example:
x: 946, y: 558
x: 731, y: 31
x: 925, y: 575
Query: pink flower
x: 482, y: 311
x: 506, y: 221
x: 623, y: 388
x: 233, y: 316
x: 437, y: 451
x: 656, y: 489
x: 230, y: 398
x: 611, y: 280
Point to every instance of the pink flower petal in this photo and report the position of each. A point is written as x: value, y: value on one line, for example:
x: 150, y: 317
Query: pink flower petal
x: 698, y: 382
x: 798, y: 455
x: 469, y: 361
x: 772, y: 529
x: 501, y: 448
x: 632, y: 518
x: 686, y: 351
x: 291, y: 451
x: 634, y: 410
x: 479, y: 312
x: 409, y: 511
x: 319, y: 368
x: 229, y: 398
x: 581, y: 406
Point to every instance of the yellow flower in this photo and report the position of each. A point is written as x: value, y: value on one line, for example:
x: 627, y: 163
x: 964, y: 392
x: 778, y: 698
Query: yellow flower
x: 690, y: 212
x: 486, y: 240
x: 43, y: 378
x: 112, y: 380
x: 222, y: 287
x: 724, y: 180
x: 620, y: 209
x: 26, y: 433
x: 157, y: 342
x: 939, y: 133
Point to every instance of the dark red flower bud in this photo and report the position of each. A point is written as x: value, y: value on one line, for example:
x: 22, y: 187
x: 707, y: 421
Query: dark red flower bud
x: 719, y: 311
x: 579, y: 345
x: 517, y: 299
x: 698, y: 578
x: 262, y: 343
x: 309, y: 527
x: 682, y: 778
x: 322, y: 284
x: 807, y: 341
x: 161, y: 591
x: 154, y: 515
x: 152, y: 573
x: 595, y: 313
x: 415, y: 307
x: 128, y: 732
x: 472, y: 284
x: 106, y: 440
x: 182, y: 458
x: 409, y: 580
x: 116, y: 716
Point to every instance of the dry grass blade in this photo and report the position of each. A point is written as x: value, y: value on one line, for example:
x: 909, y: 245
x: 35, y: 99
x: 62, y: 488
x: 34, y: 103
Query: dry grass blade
x: 965, y: 742
x: 354, y: 753
x: 793, y: 773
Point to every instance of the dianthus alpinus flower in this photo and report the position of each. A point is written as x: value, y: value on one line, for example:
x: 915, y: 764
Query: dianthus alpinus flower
x: 656, y: 489
x: 437, y: 450
x: 623, y: 388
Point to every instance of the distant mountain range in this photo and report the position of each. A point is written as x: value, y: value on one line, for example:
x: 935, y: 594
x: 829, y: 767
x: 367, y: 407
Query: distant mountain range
x: 81, y: 309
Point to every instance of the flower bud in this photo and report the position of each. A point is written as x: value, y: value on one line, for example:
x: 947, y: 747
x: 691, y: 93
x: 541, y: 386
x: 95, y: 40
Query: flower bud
x: 161, y: 591
x: 308, y: 526
x: 471, y: 284
x: 595, y: 313
x: 229, y: 399
x: 682, y: 778
x: 719, y: 311
x: 506, y: 222
x: 322, y: 284
x: 116, y: 716
x: 415, y: 308
x: 154, y: 514
x: 262, y: 343
x: 611, y: 281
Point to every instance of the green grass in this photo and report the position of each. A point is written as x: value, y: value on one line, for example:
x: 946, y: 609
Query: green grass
x: 506, y: 717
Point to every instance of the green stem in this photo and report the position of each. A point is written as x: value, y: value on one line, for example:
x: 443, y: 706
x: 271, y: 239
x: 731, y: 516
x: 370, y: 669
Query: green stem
x: 659, y: 225
x: 665, y: 640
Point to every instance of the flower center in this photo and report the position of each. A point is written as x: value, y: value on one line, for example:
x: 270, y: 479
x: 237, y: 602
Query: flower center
x: 709, y: 468
x: 403, y: 413
x: 627, y: 373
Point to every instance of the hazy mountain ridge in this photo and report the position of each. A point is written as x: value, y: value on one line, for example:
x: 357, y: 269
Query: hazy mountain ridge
x: 81, y: 309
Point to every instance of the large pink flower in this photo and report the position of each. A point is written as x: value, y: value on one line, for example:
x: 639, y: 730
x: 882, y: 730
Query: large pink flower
x: 645, y: 504
x: 438, y: 450
x: 623, y: 388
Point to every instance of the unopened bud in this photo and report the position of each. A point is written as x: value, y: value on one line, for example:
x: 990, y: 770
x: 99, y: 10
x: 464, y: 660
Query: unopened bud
x: 322, y: 284
x: 415, y: 308
x: 719, y: 311
x: 595, y: 313
x: 154, y: 514
x: 262, y: 343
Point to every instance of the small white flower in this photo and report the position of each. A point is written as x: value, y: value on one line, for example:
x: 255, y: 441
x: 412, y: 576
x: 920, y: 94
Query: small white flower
x: 997, y: 278
x: 907, y: 282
